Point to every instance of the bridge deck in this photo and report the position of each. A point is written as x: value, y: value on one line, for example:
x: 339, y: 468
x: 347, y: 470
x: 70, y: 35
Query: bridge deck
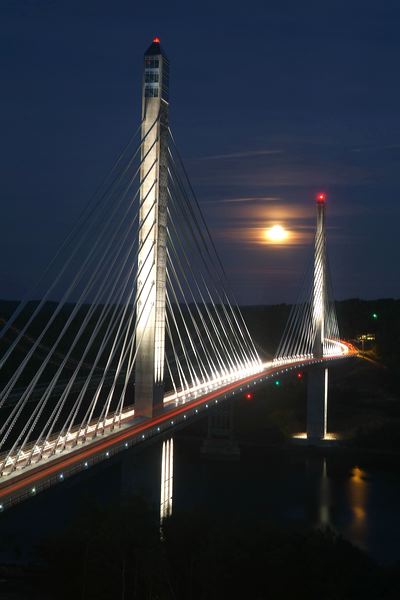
x: 24, y: 482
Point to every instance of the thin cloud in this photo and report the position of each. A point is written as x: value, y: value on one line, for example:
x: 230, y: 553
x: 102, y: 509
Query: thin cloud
x: 255, y: 236
x: 376, y: 148
x: 244, y: 199
x: 246, y: 154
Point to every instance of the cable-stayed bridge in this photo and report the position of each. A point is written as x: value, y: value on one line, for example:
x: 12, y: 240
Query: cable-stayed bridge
x: 137, y: 331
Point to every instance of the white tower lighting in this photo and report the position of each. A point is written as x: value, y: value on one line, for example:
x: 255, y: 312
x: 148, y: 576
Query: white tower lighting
x: 151, y: 286
x: 317, y: 389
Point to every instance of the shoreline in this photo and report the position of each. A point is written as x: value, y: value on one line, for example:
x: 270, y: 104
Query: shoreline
x: 290, y: 447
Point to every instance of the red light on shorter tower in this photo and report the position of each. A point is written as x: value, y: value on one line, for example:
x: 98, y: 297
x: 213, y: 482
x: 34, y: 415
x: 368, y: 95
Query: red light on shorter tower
x: 321, y: 197
x: 156, y: 40
x: 299, y: 375
x: 248, y: 396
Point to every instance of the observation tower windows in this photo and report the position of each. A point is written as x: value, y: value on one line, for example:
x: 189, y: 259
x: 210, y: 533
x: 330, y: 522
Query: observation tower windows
x: 151, y: 77
x: 151, y: 91
x: 151, y: 63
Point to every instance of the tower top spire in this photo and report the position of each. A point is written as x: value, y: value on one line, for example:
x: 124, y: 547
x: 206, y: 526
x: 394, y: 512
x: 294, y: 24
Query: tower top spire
x: 155, y: 48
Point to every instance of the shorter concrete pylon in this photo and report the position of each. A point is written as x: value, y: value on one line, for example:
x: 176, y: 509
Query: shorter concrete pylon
x: 220, y: 442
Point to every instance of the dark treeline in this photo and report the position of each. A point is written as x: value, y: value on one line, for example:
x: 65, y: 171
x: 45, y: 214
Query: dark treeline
x: 355, y: 317
x: 118, y: 552
x: 266, y: 322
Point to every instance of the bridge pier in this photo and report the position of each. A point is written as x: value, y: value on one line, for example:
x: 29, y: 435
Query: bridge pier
x: 317, y: 403
x: 220, y: 441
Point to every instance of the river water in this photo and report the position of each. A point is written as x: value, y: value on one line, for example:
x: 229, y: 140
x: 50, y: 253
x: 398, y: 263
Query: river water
x: 296, y: 489
x: 290, y: 487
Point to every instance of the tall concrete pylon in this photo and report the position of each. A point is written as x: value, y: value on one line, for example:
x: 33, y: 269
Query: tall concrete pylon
x: 317, y: 389
x: 151, y: 285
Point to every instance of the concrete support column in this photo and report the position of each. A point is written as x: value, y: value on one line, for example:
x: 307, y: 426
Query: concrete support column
x: 220, y: 441
x: 317, y: 403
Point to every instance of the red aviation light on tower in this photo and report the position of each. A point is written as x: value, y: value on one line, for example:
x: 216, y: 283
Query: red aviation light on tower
x: 321, y: 198
x: 156, y: 40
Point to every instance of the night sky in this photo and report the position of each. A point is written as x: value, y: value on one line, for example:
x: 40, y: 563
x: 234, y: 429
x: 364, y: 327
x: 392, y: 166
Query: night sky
x: 270, y: 103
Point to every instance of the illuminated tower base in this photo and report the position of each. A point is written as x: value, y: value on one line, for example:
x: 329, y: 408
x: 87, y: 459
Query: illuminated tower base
x: 317, y: 403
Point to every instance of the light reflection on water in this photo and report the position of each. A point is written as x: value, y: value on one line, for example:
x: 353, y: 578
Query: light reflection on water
x: 324, y: 498
x: 344, y: 501
x: 357, y: 490
x: 297, y: 490
x: 284, y: 488
x: 167, y: 478
x: 323, y: 504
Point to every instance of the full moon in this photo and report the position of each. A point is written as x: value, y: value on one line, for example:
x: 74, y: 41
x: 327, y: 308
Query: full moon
x: 277, y: 233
